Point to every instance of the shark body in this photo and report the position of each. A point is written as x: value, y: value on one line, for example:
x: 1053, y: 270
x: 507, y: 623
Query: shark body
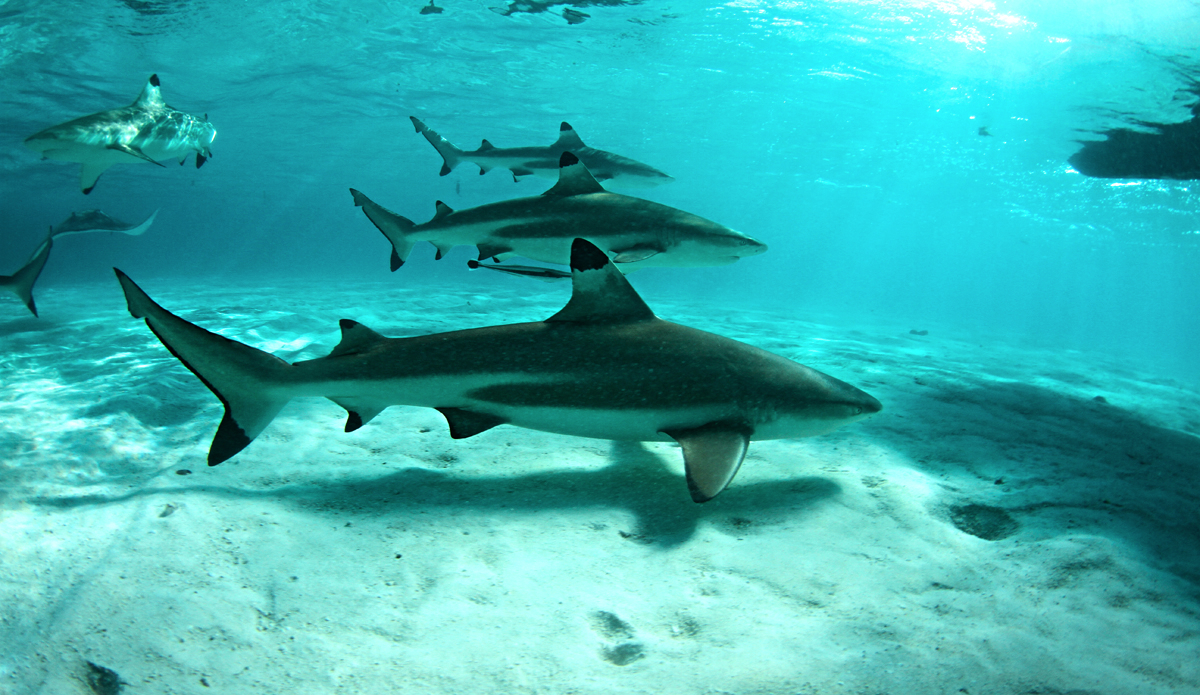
x: 637, y: 232
x: 543, y: 161
x: 604, y: 366
x: 90, y: 221
x: 21, y: 282
x: 148, y: 130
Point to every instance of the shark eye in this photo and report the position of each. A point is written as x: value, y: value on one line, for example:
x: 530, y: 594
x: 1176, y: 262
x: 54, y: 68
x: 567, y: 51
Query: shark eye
x: 858, y: 410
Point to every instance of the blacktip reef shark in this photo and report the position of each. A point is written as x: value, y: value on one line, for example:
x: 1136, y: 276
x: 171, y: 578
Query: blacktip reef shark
x: 90, y: 221
x: 604, y: 367
x: 543, y: 161
x: 148, y: 130
x: 639, y: 233
x: 21, y: 282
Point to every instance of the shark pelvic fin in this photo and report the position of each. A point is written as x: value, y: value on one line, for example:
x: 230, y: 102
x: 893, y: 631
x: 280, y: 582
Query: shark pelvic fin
x: 493, y: 250
x: 247, y: 380
x: 568, y: 139
x: 440, y: 210
x: 358, y: 414
x: 634, y: 254
x: 574, y: 178
x: 466, y: 423
x: 394, y: 227
x: 21, y: 282
x: 712, y: 455
x: 599, y: 292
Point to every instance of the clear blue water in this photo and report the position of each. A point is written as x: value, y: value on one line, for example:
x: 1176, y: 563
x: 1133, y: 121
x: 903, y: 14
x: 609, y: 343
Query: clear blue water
x: 843, y: 134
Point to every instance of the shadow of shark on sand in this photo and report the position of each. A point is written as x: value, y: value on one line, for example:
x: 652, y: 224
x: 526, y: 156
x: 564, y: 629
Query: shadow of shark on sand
x: 636, y: 481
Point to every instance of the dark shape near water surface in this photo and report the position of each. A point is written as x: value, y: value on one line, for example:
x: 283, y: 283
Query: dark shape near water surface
x: 21, y: 282
x: 537, y: 6
x: 574, y: 16
x: 543, y: 161
x: 1171, y: 152
x: 604, y: 367
x: 148, y: 130
x: 637, y: 232
x: 432, y: 9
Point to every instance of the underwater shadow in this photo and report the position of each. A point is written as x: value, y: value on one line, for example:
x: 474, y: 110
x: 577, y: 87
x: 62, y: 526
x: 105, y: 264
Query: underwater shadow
x: 1171, y: 151
x: 636, y: 481
x: 1061, y: 465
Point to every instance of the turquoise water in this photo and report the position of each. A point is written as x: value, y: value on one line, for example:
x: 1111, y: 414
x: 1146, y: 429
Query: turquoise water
x: 1020, y: 518
x: 845, y: 135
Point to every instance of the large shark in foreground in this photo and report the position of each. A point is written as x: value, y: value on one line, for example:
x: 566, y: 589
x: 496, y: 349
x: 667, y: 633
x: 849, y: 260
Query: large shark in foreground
x: 148, y: 130
x: 21, y: 282
x: 604, y: 366
x: 638, y: 233
x: 543, y: 161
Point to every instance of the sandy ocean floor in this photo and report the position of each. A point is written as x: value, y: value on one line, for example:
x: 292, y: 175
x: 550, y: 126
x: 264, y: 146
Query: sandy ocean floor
x: 1017, y: 520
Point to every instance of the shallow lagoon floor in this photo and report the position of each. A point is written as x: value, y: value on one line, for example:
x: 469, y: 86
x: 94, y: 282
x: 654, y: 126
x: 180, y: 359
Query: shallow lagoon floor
x: 997, y: 529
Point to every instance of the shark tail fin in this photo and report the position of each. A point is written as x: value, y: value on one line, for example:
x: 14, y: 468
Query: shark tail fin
x: 21, y: 282
x: 451, y: 155
x: 249, y: 382
x: 395, y: 227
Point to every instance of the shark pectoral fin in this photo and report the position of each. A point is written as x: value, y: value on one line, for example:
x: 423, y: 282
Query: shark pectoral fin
x: 465, y: 423
x: 599, y: 292
x: 573, y: 178
x: 712, y: 454
x: 632, y: 255
x: 134, y: 152
x: 200, y: 159
x: 442, y: 250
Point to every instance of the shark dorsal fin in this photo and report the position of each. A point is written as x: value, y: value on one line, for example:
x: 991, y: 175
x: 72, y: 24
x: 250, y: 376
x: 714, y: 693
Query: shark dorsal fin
x: 356, y: 339
x: 151, y: 96
x: 599, y: 292
x: 485, y: 146
x: 568, y: 139
x: 574, y: 178
x: 440, y: 210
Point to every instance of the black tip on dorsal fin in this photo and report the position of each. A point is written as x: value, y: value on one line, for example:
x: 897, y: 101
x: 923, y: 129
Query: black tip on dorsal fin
x: 586, y: 256
x: 154, y: 80
x: 567, y: 159
x: 564, y: 127
x: 485, y: 145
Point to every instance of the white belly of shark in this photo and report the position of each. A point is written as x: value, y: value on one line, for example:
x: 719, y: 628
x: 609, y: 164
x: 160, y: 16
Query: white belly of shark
x: 604, y: 366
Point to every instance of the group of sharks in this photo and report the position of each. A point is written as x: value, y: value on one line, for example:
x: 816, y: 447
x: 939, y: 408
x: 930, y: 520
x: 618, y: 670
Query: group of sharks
x: 603, y: 367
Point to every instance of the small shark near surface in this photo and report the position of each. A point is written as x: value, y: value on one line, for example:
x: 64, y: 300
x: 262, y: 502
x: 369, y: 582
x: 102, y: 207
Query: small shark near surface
x: 604, y: 367
x: 543, y: 161
x: 90, y: 221
x: 148, y: 130
x: 639, y: 233
x: 528, y: 271
x: 21, y: 282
